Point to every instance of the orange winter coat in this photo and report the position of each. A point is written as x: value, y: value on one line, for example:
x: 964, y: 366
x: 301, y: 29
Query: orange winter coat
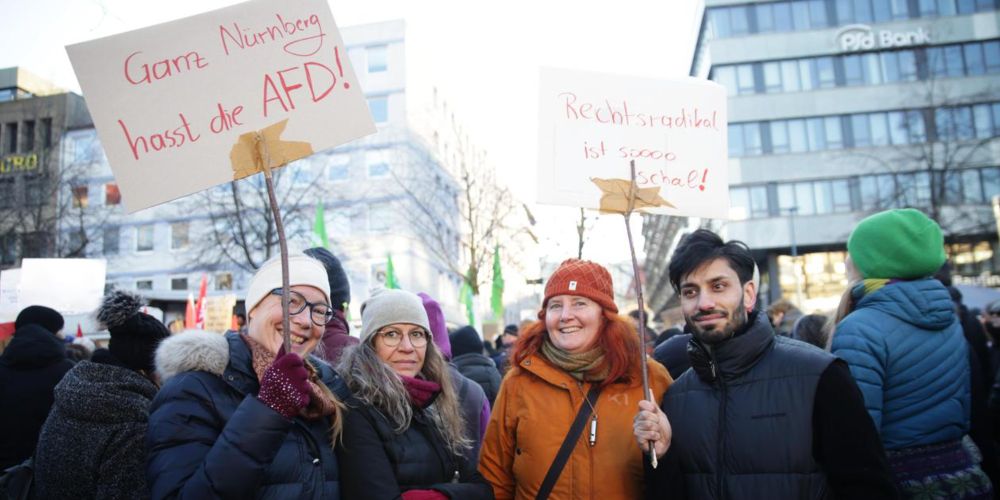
x: 532, y: 415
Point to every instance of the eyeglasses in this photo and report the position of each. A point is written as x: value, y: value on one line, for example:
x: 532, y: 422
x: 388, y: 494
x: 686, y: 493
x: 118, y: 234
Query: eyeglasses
x: 320, y: 313
x: 391, y: 337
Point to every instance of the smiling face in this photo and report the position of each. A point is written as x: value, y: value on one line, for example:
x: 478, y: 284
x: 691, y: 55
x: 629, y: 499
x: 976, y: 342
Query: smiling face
x: 265, y: 322
x: 573, y: 322
x: 714, y: 302
x: 404, y: 358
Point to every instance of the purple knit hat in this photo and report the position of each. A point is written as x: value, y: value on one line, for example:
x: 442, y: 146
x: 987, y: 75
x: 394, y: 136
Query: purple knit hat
x: 438, y: 330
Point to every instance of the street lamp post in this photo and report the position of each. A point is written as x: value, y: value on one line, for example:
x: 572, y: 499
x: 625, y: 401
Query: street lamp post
x: 795, y: 255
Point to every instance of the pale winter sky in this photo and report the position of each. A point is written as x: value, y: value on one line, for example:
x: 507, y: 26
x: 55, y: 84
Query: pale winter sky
x: 484, y: 57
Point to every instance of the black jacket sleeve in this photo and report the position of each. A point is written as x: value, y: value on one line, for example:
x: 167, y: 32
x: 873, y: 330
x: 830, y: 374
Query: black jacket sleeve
x: 666, y: 480
x: 845, y: 442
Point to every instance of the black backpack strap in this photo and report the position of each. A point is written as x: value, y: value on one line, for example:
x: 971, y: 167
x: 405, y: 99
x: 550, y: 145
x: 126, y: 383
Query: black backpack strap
x: 569, y: 443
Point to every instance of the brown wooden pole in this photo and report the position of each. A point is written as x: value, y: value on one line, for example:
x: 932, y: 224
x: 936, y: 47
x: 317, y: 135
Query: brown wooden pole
x: 265, y: 159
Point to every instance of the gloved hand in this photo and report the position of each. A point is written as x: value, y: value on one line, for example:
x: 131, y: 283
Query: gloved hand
x: 285, y: 385
x: 424, y: 495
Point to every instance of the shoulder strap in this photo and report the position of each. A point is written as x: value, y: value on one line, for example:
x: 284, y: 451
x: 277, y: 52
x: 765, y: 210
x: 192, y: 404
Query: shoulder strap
x: 568, y: 444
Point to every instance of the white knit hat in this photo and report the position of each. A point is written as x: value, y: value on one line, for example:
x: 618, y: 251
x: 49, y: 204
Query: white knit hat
x: 386, y: 307
x: 302, y: 270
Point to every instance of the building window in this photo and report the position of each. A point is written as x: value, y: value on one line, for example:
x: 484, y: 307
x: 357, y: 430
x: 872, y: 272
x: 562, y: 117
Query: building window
x: 7, y: 192
x: 75, y: 243
x: 379, y: 107
x: 339, y: 167
x: 29, y: 135
x: 179, y: 284
x: 144, y: 238
x: 378, y: 57
x: 112, y: 196
x: 144, y: 285
x: 46, y: 135
x: 35, y: 244
x: 111, y: 239
x: 179, y: 235
x: 379, y: 218
x: 8, y: 249
x: 224, y: 281
x: 34, y: 190
x: 378, y: 163
x: 80, y: 196
x: 10, y: 138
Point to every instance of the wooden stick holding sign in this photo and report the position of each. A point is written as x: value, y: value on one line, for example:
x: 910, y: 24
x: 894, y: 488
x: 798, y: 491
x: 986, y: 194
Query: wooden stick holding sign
x: 264, y: 160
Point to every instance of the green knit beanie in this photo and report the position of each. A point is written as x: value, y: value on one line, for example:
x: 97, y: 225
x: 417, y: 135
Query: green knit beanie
x: 902, y: 243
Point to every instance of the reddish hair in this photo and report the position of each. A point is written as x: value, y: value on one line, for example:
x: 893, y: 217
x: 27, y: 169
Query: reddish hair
x: 617, y: 336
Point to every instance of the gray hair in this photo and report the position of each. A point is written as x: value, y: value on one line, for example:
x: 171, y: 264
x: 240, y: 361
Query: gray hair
x: 374, y: 383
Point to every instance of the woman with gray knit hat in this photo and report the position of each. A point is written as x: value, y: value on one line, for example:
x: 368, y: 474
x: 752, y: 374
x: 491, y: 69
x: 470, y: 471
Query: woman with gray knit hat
x: 904, y: 345
x: 93, y: 443
x: 240, y: 418
x: 404, y: 436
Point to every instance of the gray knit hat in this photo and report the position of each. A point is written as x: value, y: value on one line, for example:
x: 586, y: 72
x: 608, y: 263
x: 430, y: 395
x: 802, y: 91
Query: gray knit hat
x: 386, y: 307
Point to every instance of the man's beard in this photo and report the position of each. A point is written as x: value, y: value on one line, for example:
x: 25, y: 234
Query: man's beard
x: 735, y: 321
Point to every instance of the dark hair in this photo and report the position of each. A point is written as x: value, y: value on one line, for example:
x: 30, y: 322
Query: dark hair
x: 812, y: 328
x: 704, y: 246
x: 340, y: 286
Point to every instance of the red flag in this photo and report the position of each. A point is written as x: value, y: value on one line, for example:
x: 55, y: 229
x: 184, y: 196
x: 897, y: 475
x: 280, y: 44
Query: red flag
x: 189, y: 318
x: 6, y: 330
x: 200, y: 314
x: 79, y: 331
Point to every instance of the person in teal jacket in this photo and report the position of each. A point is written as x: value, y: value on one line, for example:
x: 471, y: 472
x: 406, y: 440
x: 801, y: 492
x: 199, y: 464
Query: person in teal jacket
x: 904, y: 345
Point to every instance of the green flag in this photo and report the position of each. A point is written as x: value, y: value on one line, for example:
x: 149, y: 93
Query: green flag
x: 466, y: 299
x: 390, y: 273
x: 319, y: 229
x: 496, y: 300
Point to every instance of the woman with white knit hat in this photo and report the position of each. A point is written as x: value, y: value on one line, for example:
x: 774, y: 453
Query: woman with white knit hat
x: 403, y: 436
x: 238, y: 417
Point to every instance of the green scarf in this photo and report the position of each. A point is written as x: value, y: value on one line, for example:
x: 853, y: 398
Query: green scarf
x: 586, y: 366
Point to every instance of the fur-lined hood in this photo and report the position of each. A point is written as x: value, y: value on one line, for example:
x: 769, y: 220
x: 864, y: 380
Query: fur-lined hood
x: 192, y: 350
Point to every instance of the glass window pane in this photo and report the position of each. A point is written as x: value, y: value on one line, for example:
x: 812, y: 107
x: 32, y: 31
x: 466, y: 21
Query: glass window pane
x: 996, y: 118
x: 974, y: 63
x: 744, y: 79
x: 817, y: 14
x: 991, y: 182
x: 804, y: 198
x: 379, y: 107
x: 922, y: 182
x: 826, y: 78
x: 751, y: 138
x: 887, y: 191
x: 765, y: 18
x: 800, y: 15
x: 786, y: 197
x: 962, y: 121
x: 973, y: 190
x: 966, y: 6
x: 991, y: 54
x: 823, y: 192
x: 726, y: 76
x: 900, y: 9
x: 907, y: 189
x: 908, y: 66
x: 915, y: 122
x: 845, y: 11
x: 879, y: 129
x: 807, y: 71
x: 772, y: 77
x: 852, y: 70
x: 953, y: 60
x: 869, y: 193
x: 872, y: 69
x: 946, y: 7
x: 377, y: 58
x: 935, y: 60
x: 881, y: 11
x: 797, y: 140
x: 779, y: 136
x: 897, y: 127
x: 841, y: 192
x: 862, y: 135
x: 782, y: 17
x: 739, y: 203
x: 817, y: 134
x: 735, y: 137
x: 720, y: 22
x: 790, y: 76
x: 834, y: 138
x: 984, y: 121
x: 758, y: 201
x: 926, y: 7
x: 862, y: 11
x: 738, y: 21
x: 952, y: 187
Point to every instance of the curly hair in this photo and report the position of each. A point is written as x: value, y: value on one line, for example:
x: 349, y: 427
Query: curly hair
x: 617, y: 336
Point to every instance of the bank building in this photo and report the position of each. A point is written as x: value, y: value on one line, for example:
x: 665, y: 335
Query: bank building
x: 839, y: 109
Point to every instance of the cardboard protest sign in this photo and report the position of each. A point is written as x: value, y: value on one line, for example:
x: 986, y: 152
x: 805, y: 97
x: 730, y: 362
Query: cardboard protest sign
x: 219, y: 313
x: 592, y: 125
x: 178, y: 106
x: 70, y: 286
x: 10, y: 281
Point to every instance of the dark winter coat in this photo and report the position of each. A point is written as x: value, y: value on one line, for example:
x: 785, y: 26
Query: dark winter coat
x: 376, y: 463
x: 906, y: 349
x: 210, y: 437
x: 336, y: 338
x: 482, y: 370
x: 475, y: 410
x: 93, y: 444
x: 31, y: 366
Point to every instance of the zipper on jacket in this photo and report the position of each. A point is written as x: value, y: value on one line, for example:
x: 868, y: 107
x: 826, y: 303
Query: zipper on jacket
x: 720, y: 445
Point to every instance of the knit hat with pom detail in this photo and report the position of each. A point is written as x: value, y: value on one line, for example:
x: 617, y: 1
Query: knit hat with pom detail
x: 134, y: 334
x: 583, y: 278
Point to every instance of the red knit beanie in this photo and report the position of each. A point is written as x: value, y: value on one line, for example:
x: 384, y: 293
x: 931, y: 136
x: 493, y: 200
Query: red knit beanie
x: 583, y: 278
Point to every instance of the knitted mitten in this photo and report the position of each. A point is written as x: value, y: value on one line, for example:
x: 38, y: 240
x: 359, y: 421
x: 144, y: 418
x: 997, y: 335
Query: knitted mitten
x: 285, y: 385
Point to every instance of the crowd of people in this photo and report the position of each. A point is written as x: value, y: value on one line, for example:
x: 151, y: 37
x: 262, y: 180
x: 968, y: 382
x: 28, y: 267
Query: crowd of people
x: 893, y: 395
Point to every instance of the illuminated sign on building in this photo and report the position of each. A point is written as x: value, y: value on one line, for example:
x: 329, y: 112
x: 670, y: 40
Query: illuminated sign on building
x: 19, y: 163
x: 858, y: 37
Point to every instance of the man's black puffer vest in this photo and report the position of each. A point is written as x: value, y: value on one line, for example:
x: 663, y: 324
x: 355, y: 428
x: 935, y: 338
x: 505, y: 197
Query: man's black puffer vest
x: 742, y: 418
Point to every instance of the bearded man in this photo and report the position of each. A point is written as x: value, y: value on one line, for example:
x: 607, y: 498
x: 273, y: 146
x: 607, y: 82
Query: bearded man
x: 758, y: 416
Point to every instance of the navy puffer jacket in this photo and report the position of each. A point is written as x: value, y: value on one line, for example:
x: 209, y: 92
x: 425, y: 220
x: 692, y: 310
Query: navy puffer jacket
x: 906, y: 350
x: 210, y: 437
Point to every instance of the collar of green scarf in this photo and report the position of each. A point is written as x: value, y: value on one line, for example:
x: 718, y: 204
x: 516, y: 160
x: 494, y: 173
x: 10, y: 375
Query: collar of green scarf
x: 585, y: 366
x: 871, y: 285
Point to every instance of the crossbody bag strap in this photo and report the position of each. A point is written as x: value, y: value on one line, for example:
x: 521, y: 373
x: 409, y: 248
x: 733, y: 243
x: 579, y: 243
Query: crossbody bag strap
x: 569, y: 443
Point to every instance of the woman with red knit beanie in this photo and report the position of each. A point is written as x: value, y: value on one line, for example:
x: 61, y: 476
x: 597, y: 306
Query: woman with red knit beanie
x: 580, y: 353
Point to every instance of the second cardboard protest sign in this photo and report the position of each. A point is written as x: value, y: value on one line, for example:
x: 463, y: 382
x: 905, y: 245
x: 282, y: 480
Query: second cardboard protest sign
x: 593, y: 125
x: 171, y: 102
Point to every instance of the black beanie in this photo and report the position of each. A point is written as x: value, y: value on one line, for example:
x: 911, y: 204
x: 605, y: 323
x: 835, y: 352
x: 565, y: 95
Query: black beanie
x: 134, y: 335
x: 340, y: 287
x: 464, y: 341
x: 46, y: 317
